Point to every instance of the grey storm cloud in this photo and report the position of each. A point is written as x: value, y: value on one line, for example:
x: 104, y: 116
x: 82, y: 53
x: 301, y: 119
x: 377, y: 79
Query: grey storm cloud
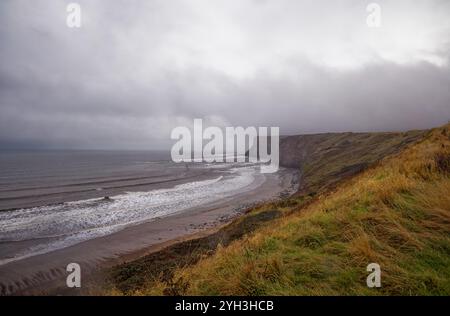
x: 137, y: 69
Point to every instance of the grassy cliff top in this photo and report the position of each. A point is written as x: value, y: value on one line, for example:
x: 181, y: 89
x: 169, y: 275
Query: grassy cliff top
x: 395, y: 213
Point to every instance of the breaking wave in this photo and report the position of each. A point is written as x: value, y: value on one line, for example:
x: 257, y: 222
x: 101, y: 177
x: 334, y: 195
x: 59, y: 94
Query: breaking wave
x: 58, y: 226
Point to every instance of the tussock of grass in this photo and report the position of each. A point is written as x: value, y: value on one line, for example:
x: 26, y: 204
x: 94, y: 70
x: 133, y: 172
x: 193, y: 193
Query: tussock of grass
x: 396, y: 214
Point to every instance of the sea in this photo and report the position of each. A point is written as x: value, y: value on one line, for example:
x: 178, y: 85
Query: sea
x: 54, y: 199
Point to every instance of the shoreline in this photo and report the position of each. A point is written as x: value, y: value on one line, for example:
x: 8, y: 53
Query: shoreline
x: 46, y: 274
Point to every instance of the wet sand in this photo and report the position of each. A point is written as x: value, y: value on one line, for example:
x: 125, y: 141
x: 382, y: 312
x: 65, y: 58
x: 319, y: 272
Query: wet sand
x: 46, y: 273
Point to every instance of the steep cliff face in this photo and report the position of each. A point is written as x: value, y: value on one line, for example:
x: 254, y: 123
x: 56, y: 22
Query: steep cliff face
x: 396, y: 212
x: 324, y: 159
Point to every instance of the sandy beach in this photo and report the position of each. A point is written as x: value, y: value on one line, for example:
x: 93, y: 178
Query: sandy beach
x: 46, y: 273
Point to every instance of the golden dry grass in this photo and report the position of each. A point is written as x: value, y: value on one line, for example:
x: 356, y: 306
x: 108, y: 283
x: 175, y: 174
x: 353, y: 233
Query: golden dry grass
x: 396, y: 214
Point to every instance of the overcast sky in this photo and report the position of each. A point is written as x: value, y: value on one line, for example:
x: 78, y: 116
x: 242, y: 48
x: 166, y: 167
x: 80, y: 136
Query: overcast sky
x: 138, y: 68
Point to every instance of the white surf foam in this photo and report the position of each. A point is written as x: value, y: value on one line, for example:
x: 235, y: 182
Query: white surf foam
x: 60, y: 226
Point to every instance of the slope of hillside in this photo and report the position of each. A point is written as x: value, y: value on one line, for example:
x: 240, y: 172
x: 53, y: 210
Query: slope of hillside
x: 396, y: 214
x: 325, y: 159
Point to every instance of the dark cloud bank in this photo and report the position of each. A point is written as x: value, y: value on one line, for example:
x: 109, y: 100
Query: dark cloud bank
x: 136, y: 69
